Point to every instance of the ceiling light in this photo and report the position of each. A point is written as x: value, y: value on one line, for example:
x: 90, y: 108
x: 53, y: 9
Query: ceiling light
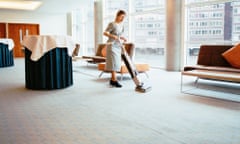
x: 19, y: 5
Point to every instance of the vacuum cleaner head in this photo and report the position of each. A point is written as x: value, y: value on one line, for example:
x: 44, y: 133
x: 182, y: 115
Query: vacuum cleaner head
x: 143, y: 88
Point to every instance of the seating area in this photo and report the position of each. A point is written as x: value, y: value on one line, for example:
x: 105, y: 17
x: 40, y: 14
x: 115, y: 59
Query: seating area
x: 130, y: 49
x: 213, y: 64
x: 99, y: 57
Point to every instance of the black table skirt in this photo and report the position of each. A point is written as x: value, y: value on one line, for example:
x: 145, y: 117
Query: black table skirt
x: 51, y: 71
x: 6, y: 56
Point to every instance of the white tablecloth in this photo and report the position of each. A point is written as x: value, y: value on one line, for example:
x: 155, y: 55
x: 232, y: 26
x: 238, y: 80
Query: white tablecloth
x: 7, y: 41
x: 40, y: 44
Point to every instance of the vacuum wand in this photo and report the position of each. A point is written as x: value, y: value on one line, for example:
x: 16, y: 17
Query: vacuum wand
x: 140, y: 86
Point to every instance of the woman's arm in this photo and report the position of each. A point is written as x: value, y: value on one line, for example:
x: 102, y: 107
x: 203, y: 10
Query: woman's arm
x: 107, y: 34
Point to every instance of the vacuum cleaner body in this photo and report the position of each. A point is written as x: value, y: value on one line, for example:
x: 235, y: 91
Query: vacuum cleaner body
x: 140, y: 86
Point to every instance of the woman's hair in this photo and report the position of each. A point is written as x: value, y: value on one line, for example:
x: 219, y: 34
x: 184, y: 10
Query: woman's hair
x: 121, y: 12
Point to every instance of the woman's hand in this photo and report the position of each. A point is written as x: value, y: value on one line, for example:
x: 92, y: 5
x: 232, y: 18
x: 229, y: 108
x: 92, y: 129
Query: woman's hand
x: 115, y: 37
x: 123, y: 38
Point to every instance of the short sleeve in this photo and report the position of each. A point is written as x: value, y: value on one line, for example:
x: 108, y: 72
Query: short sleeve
x: 109, y: 27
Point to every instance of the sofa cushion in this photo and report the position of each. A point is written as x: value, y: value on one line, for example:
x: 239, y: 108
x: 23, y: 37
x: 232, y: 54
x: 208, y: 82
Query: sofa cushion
x: 211, y: 55
x: 140, y: 67
x: 233, y: 56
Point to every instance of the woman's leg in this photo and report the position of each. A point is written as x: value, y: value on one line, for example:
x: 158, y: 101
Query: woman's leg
x: 113, y: 81
x: 113, y: 77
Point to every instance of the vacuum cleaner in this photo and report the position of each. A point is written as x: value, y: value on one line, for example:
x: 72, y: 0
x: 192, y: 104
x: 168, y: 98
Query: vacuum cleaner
x: 140, y: 86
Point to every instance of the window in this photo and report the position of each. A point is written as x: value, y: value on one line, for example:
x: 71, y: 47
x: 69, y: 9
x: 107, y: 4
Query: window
x: 206, y: 22
x: 82, y: 28
x: 145, y: 27
x: 110, y: 9
x: 215, y: 22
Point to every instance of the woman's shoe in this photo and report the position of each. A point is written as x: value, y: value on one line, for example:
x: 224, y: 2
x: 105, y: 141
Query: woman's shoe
x: 115, y: 84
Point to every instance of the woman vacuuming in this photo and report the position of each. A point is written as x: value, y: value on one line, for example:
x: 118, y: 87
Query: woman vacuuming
x: 114, y: 32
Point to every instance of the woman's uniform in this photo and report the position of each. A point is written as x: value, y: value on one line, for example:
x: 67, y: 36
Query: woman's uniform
x: 113, y: 57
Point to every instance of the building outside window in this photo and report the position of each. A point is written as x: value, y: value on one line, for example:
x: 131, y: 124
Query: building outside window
x: 206, y: 22
x: 145, y: 27
x: 236, y: 21
x: 210, y: 22
x: 110, y: 9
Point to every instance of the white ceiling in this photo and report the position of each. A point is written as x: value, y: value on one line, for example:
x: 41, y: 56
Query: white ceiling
x: 58, y: 6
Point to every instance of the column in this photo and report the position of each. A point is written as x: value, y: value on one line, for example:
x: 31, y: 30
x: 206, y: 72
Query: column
x: 98, y: 22
x: 174, y: 34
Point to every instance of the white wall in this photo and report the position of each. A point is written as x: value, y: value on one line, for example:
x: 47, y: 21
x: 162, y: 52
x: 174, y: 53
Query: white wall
x: 54, y: 24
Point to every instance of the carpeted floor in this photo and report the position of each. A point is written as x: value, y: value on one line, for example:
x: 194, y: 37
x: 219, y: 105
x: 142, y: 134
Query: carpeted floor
x: 89, y: 112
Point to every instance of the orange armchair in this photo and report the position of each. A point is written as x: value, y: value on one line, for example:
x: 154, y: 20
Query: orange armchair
x: 140, y: 67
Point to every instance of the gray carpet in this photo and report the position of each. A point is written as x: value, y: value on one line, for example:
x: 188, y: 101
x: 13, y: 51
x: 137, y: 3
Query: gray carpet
x: 213, y: 89
x: 89, y: 112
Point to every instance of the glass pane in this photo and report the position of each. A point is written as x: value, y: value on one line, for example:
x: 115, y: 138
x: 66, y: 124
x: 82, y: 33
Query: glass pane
x: 147, y: 5
x: 144, y: 26
x: 149, y: 38
x: 148, y: 31
x: 112, y: 6
x: 82, y: 29
x: 110, y: 10
x: 210, y: 23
